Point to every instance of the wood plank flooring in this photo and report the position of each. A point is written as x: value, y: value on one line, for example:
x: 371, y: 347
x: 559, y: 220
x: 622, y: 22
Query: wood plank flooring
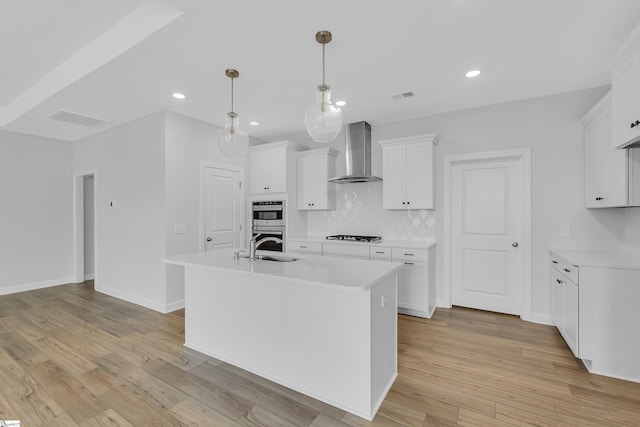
x: 70, y: 356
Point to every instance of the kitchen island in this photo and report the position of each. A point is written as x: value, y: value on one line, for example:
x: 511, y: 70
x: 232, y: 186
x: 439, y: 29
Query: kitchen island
x: 323, y: 326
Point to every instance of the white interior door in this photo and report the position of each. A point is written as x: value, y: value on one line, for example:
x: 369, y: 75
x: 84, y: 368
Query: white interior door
x: 222, y: 209
x: 486, y: 233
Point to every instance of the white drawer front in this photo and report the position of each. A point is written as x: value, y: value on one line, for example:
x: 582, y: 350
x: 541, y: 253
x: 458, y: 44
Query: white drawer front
x: 310, y: 247
x: 380, y: 253
x: 404, y: 254
x: 339, y: 249
x: 570, y: 271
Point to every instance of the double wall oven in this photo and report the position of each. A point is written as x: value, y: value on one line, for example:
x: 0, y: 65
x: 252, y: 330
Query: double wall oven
x: 268, y: 220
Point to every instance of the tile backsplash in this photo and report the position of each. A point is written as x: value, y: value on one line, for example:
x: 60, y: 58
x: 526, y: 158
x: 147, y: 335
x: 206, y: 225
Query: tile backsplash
x: 359, y: 211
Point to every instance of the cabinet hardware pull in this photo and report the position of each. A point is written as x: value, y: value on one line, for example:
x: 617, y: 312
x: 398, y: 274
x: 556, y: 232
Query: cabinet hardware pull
x: 567, y: 270
x: 555, y: 262
x: 598, y: 198
x: 303, y: 247
x: 379, y: 252
x: 408, y: 263
x: 408, y: 254
x: 559, y: 281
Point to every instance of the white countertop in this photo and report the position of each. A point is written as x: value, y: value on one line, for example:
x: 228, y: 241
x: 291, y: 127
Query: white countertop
x: 332, y: 272
x: 388, y: 243
x: 602, y: 259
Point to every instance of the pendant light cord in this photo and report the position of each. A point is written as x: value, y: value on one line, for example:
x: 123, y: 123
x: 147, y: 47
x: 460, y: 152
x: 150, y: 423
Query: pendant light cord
x: 232, y: 94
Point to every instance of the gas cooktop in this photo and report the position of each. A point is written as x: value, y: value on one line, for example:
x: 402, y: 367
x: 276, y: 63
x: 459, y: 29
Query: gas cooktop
x: 354, y: 238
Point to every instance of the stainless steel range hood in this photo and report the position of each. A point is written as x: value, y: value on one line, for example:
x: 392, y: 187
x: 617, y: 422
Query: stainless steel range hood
x: 358, y: 155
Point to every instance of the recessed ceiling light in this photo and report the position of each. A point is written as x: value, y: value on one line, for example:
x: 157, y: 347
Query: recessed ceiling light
x: 178, y: 95
x: 254, y: 123
x: 341, y: 103
x: 473, y: 73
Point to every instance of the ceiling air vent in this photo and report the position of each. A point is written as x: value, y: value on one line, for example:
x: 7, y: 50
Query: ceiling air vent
x: 402, y: 95
x: 77, y: 119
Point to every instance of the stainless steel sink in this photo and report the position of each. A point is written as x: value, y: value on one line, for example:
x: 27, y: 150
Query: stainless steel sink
x: 277, y: 258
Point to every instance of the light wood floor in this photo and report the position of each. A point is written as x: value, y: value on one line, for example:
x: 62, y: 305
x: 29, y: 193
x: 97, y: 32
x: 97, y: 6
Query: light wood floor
x: 70, y: 356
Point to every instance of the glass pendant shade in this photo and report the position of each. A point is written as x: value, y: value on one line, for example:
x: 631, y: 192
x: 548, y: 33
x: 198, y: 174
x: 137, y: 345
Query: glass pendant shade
x: 232, y: 141
x: 323, y: 120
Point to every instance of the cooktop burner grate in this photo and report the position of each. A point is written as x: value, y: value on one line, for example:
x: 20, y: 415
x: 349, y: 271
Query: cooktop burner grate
x: 353, y: 238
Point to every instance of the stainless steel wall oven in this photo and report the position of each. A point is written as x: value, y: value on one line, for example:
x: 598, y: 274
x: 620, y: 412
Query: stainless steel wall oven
x: 268, y: 220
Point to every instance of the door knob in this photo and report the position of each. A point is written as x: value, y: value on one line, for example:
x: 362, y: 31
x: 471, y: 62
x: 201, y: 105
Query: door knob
x: 209, y: 239
x: 515, y: 244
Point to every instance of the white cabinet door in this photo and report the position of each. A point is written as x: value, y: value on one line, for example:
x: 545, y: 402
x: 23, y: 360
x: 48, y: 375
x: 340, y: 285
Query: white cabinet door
x: 626, y: 100
x: 268, y: 170
x: 305, y: 182
x: 556, y: 299
x: 593, y: 163
x: 394, y: 183
x: 412, y: 287
x: 615, y: 168
x: 606, y: 170
x: 570, y: 314
x: 408, y: 172
x: 315, y: 167
x: 420, y: 175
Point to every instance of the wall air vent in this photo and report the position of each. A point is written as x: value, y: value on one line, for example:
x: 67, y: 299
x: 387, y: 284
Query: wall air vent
x: 77, y: 119
x: 402, y: 95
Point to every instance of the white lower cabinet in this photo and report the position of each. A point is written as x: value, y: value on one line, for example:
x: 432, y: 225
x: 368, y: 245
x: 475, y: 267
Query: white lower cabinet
x: 594, y: 305
x: 350, y: 251
x: 564, y: 301
x: 416, y: 281
x: 416, y: 278
x: 304, y: 247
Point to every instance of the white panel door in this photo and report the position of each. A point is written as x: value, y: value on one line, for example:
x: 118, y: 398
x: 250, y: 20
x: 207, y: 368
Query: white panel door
x: 487, y: 226
x: 222, y: 208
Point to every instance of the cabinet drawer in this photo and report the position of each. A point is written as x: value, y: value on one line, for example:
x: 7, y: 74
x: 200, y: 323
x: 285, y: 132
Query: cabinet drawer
x: 404, y: 254
x: 570, y: 271
x: 379, y: 253
x: 298, y: 246
x: 339, y: 249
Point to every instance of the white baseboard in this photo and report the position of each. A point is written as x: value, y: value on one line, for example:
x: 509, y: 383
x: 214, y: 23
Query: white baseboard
x: 88, y: 276
x: 176, y: 305
x: 135, y: 299
x: 36, y: 285
x: 543, y: 319
x: 144, y: 302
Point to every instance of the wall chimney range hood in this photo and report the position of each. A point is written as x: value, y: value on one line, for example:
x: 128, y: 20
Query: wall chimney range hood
x: 358, y: 155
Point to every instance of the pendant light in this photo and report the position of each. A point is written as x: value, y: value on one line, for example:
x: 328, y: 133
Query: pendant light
x: 232, y: 141
x: 323, y: 120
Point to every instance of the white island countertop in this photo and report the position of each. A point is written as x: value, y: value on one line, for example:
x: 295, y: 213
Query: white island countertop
x: 346, y: 274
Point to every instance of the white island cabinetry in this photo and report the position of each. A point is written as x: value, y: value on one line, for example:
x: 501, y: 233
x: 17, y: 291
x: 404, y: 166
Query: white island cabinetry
x: 323, y: 326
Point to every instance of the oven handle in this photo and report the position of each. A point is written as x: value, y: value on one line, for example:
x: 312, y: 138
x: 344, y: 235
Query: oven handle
x: 267, y: 208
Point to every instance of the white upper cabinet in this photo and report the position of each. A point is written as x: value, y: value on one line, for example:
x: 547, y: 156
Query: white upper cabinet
x: 315, y: 167
x: 268, y: 165
x: 626, y: 100
x: 608, y: 171
x: 408, y: 172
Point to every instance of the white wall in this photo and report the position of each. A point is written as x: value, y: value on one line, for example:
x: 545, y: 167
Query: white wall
x: 129, y: 163
x: 35, y: 212
x: 188, y: 143
x: 88, y: 227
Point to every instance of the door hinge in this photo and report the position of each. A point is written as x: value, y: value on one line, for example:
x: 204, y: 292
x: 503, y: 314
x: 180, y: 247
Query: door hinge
x: 240, y: 184
x: 240, y: 227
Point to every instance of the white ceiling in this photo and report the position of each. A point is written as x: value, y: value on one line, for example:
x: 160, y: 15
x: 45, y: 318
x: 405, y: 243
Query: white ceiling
x: 121, y: 59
